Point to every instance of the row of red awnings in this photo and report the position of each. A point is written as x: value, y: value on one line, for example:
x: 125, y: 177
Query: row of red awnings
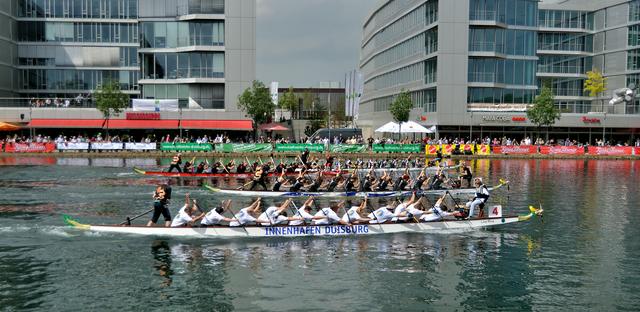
x: 240, y: 125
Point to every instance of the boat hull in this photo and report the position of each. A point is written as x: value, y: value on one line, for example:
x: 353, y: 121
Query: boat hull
x: 309, y: 230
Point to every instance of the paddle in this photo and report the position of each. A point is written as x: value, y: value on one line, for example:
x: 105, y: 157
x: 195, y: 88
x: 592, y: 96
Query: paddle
x: 297, y: 212
x: 234, y: 216
x: 128, y: 222
x: 454, y: 200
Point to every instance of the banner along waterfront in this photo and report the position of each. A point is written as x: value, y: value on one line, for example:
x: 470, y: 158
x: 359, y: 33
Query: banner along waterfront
x: 582, y: 257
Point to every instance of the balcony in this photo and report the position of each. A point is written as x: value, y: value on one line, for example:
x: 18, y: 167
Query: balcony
x: 487, y: 16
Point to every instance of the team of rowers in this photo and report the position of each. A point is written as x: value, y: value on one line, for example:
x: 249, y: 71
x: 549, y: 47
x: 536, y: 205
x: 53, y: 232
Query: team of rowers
x: 415, y: 209
x: 303, y: 162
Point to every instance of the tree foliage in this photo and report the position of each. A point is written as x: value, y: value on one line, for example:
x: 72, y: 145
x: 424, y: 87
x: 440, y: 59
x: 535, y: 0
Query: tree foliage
x: 595, y: 83
x: 544, y: 111
x: 110, y: 100
x: 289, y: 101
x: 256, y: 102
x: 401, y: 107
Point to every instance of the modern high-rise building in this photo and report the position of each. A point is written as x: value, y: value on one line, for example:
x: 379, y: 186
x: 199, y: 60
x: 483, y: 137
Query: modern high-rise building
x: 200, y: 52
x: 474, y: 66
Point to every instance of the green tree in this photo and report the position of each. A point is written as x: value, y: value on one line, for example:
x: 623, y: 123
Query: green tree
x: 595, y: 84
x: 289, y: 101
x: 401, y: 108
x: 110, y: 100
x: 339, y: 118
x: 256, y: 102
x: 307, y: 100
x: 544, y: 111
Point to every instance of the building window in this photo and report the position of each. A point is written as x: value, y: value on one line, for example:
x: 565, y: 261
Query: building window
x: 633, y: 59
x: 112, y: 9
x: 634, y: 11
x: 182, y: 34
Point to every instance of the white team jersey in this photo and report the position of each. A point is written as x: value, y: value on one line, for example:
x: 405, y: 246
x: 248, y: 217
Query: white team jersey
x: 351, y: 215
x: 242, y: 217
x: 270, y: 215
x: 436, y: 214
x: 329, y: 217
x: 381, y: 215
x: 212, y: 218
x: 400, y: 208
x: 301, y: 213
x: 414, y: 211
x: 182, y: 218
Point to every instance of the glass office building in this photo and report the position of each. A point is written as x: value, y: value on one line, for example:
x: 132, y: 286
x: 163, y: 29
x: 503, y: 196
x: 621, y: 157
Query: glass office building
x: 478, y: 64
x: 201, y: 52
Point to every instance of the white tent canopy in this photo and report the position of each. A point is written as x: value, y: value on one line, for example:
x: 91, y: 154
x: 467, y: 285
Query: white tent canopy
x: 407, y: 127
x: 390, y: 127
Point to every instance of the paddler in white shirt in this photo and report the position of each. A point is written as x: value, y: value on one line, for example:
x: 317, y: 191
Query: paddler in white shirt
x: 304, y: 213
x: 275, y: 215
x: 248, y: 215
x: 438, y: 212
x: 215, y: 217
x: 329, y: 215
x: 353, y: 215
x: 186, y: 213
x: 382, y: 214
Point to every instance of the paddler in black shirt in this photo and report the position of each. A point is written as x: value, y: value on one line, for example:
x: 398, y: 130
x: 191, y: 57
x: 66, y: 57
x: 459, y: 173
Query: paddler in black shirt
x: 315, y: 185
x: 259, y: 179
x: 161, y: 198
x: 466, y: 174
x: 176, y: 161
x: 333, y: 183
x: 304, y: 157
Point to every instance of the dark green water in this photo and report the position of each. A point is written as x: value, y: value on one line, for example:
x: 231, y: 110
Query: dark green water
x: 584, y: 256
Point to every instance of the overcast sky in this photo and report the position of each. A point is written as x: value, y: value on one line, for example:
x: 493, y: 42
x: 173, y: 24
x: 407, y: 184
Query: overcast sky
x: 303, y: 42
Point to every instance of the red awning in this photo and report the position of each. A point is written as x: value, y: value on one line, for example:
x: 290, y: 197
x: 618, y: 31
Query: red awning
x: 66, y: 123
x: 244, y: 125
x: 142, y: 124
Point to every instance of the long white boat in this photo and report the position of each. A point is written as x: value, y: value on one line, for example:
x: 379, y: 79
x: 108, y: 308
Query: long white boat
x: 460, y: 191
x: 308, y: 230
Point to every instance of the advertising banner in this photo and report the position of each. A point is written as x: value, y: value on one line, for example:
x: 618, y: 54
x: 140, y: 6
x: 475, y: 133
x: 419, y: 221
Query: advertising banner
x: 299, y: 147
x: 140, y: 146
x: 29, y: 147
x: 72, y: 146
x: 397, y: 148
x: 515, y: 149
x: 348, y: 148
x: 243, y: 148
x: 561, y: 150
x: 447, y: 149
x: 611, y: 150
x: 152, y: 105
x: 104, y: 146
x: 186, y: 147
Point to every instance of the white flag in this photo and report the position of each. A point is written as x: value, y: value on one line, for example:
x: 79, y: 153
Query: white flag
x: 274, y: 92
x: 347, y: 87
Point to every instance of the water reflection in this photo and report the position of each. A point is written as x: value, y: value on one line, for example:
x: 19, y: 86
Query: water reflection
x: 162, y: 256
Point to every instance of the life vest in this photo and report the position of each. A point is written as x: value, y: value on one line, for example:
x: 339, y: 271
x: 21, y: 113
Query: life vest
x: 480, y: 194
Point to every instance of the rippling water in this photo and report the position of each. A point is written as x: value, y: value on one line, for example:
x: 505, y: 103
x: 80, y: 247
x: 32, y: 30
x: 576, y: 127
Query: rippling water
x: 583, y: 256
